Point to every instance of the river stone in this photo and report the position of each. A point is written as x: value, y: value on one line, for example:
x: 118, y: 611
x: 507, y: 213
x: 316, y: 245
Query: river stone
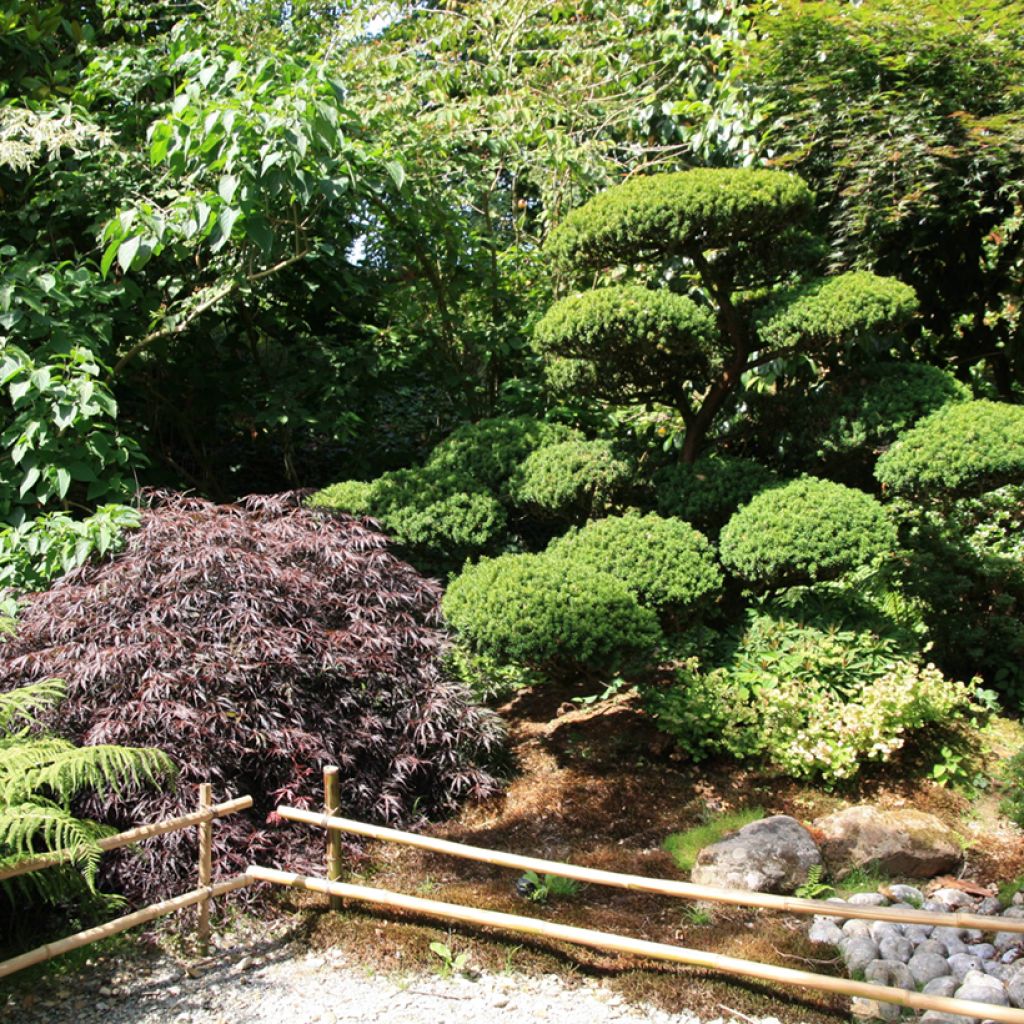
x: 826, y: 931
x: 858, y: 953
x: 905, y: 894
x: 890, y: 972
x: 933, y: 946
x: 990, y: 905
x: 944, y: 986
x: 961, y: 964
x: 927, y: 967
x: 895, y: 947
x: 934, y: 1017
x: 900, y: 842
x: 1015, y: 989
x: 880, y: 929
x: 997, y: 970
x: 770, y: 855
x: 953, y: 899
x: 983, y: 949
x: 917, y: 933
x: 855, y: 926
x: 873, y: 1009
x: 868, y: 899
x: 983, y: 989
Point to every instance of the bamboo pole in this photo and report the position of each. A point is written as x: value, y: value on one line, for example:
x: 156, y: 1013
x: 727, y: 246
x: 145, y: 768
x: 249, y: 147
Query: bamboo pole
x: 205, y: 866
x: 332, y: 808
x: 133, y: 835
x: 663, y: 886
x: 121, y: 924
x: 642, y: 947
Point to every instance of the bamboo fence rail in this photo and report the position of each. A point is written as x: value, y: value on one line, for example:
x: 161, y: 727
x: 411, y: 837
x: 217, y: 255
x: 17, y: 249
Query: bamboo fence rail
x: 641, y: 947
x: 54, y: 949
x: 133, y: 835
x: 663, y: 886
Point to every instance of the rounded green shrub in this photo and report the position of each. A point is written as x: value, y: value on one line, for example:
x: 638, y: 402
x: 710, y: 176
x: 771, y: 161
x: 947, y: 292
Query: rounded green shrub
x: 666, y: 563
x: 805, y: 531
x: 571, y: 481
x: 962, y: 449
x: 707, y: 492
x: 352, y: 496
x: 662, y: 213
x: 636, y: 338
x: 843, y: 308
x: 488, y: 451
x: 545, y: 613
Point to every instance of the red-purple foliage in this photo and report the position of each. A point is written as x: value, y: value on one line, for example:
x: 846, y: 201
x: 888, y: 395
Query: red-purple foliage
x: 255, y: 643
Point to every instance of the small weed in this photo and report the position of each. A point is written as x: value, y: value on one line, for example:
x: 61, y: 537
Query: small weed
x: 697, y: 915
x: 863, y: 879
x: 449, y: 963
x: 1010, y: 889
x: 684, y: 846
x: 538, y: 890
x: 510, y: 953
x: 814, y: 888
x: 427, y: 887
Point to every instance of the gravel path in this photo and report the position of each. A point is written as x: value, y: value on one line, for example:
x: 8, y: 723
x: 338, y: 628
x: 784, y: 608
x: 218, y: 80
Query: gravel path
x: 278, y: 981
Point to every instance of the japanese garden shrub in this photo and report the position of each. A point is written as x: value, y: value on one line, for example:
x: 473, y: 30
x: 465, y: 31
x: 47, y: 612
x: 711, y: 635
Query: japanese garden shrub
x: 711, y: 207
x: 634, y: 338
x: 667, y: 564
x: 708, y: 491
x: 962, y: 449
x: 489, y: 451
x: 440, y: 516
x: 549, y: 614
x: 256, y: 642
x: 571, y: 481
x: 804, y: 531
x: 815, y: 701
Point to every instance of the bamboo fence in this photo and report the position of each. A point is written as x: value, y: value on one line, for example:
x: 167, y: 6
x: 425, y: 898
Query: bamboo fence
x: 204, y: 817
x: 641, y: 947
x: 663, y: 886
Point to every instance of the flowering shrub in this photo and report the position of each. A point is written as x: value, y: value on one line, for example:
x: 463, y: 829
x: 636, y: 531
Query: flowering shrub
x: 816, y: 703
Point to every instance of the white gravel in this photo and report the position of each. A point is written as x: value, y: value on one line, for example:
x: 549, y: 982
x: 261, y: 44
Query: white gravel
x: 278, y: 981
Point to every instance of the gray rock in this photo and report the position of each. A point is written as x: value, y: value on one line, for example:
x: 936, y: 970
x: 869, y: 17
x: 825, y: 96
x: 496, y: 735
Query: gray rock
x: 1014, y: 911
x: 954, y: 899
x: 890, y: 972
x: 983, y: 949
x: 901, y: 842
x: 868, y: 899
x: 827, y: 932
x: 1004, y: 941
x: 927, y: 967
x: 1015, y: 989
x: 933, y: 946
x: 905, y: 894
x: 896, y: 947
x: 983, y: 989
x: 858, y: 953
x: 997, y: 970
x: 961, y: 964
x: 990, y: 905
x: 944, y: 986
x: 873, y: 1009
x: 857, y: 927
x: 935, y: 907
x: 934, y: 1017
x: 948, y: 934
x: 973, y: 936
x: 771, y: 855
x: 917, y: 933
x: 880, y: 929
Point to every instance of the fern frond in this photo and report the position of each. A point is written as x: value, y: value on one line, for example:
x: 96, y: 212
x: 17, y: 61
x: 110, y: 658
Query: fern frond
x: 26, y: 829
x: 19, y: 708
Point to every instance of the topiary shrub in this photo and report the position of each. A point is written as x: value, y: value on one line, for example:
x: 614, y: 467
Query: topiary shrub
x: 571, y: 481
x: 804, y: 531
x: 257, y: 642
x: 963, y: 449
x: 437, y: 516
x: 816, y: 701
x: 666, y: 563
x: 548, y: 614
x: 489, y: 451
x: 707, y: 492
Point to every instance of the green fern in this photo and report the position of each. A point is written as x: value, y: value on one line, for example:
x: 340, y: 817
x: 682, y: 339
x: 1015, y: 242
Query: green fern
x: 40, y: 774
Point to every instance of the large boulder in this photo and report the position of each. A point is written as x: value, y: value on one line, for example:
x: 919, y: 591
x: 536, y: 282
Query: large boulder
x: 901, y: 842
x: 771, y: 855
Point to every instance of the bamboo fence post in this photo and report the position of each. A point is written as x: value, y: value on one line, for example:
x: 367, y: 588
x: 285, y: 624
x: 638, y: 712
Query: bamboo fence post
x: 205, y: 866
x: 332, y: 807
x: 642, y: 947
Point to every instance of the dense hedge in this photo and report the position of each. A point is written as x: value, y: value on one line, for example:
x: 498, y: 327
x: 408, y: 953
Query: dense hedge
x: 549, y: 614
x: 804, y: 531
x: 962, y: 449
x: 836, y: 309
x: 636, y: 338
x: 707, y: 492
x: 571, y: 481
x: 666, y: 213
x: 666, y: 563
x: 255, y: 643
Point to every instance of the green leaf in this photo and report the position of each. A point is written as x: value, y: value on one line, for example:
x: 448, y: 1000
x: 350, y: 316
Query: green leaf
x: 63, y: 481
x: 397, y: 173
x: 28, y: 481
x: 226, y: 187
x: 127, y: 250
